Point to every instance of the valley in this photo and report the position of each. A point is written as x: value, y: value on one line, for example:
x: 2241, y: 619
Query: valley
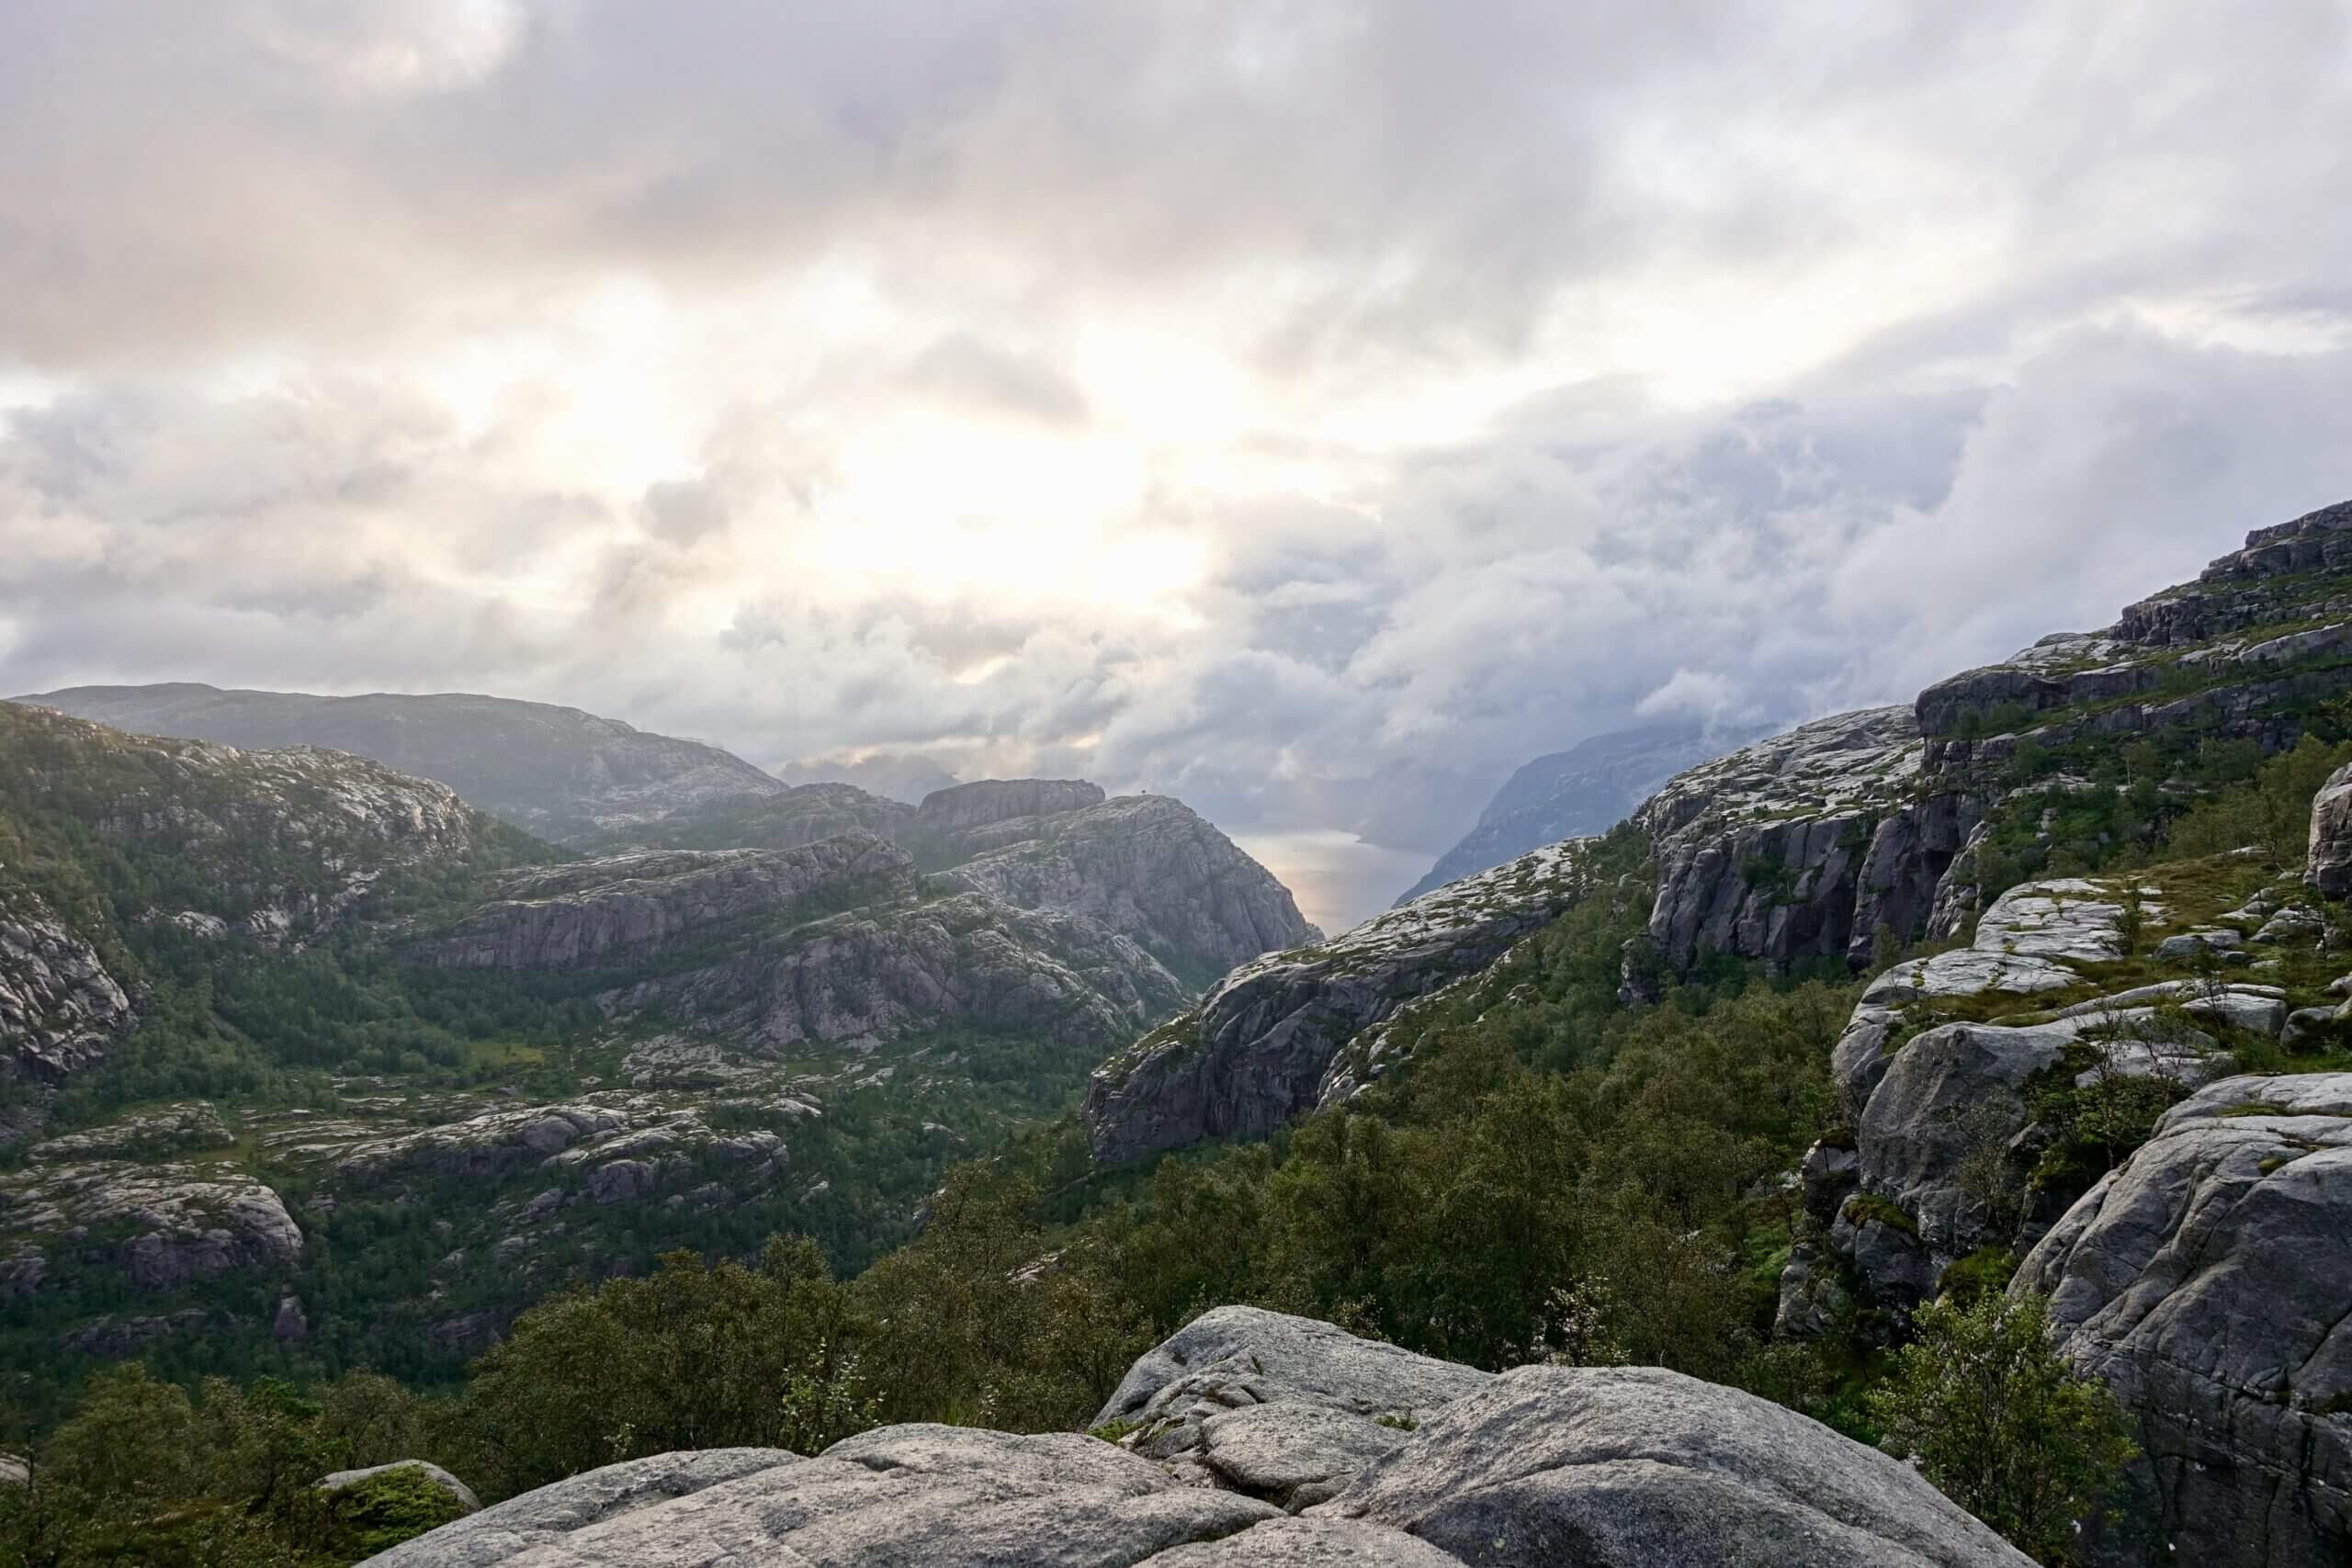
x: 2033, y: 991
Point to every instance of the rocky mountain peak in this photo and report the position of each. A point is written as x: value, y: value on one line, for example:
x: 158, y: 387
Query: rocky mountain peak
x: 986, y: 801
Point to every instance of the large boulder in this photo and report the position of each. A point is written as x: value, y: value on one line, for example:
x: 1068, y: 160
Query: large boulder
x: 2329, y: 867
x: 1954, y: 1093
x: 941, y: 1496
x: 1616, y: 1468
x: 2208, y: 1284
x: 1637, y: 1467
x: 1277, y: 1406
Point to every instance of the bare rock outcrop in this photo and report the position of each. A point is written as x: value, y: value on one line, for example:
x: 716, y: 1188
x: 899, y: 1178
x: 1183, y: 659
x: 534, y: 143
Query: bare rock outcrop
x: 602, y: 913
x: 1609, y: 1467
x: 985, y: 801
x: 2328, y: 867
x: 1151, y: 868
x: 164, y: 1225
x: 2207, y: 1282
x: 1259, y: 1048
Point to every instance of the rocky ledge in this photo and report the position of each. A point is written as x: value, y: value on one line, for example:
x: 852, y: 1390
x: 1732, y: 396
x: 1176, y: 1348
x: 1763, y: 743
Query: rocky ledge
x: 1260, y: 1047
x: 627, y: 908
x: 157, y: 1226
x: 2208, y: 1284
x: 1380, y: 1458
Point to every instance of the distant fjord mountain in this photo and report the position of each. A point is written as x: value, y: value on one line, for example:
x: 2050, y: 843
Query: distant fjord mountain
x: 1589, y: 788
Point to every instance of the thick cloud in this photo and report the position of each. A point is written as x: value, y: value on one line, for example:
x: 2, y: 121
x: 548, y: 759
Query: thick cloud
x: 1314, y: 411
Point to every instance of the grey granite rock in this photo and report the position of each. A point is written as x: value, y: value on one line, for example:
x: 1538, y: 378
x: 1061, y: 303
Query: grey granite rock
x: 2328, y: 867
x: 1271, y: 1404
x: 1622, y: 1468
x: 1635, y: 1467
x: 346, y: 1480
x: 899, y: 1498
x: 2207, y: 1282
x: 1151, y: 868
x: 984, y: 802
x: 167, y: 1224
x: 1261, y: 1048
x: 605, y: 913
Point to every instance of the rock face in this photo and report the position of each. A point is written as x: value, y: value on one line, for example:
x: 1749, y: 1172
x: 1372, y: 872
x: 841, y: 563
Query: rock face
x: 2207, y: 1282
x: 1799, y: 846
x: 1805, y: 845
x: 1616, y: 1468
x: 166, y: 1226
x: 1942, y: 1122
x: 988, y: 801
x: 599, y: 913
x: 1148, y: 867
x: 2328, y: 867
x: 59, y: 1007
x: 886, y: 973
x: 1260, y: 1047
x: 557, y: 771
x: 1587, y: 789
x: 1638, y: 1466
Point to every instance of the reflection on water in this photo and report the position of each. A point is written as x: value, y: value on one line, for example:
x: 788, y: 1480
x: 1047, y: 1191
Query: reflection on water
x: 1339, y: 880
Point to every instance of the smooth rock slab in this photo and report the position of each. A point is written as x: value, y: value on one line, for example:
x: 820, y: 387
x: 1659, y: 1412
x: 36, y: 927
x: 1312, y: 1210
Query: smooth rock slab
x: 915, y: 1497
x: 2208, y: 1281
x: 1636, y: 1467
x: 1311, y: 1543
x: 1235, y: 1357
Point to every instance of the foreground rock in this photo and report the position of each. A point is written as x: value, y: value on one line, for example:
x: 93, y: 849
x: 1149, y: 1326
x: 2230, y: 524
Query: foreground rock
x: 1283, y: 1408
x: 2208, y: 1282
x: 1604, y: 1468
x: 1260, y: 1049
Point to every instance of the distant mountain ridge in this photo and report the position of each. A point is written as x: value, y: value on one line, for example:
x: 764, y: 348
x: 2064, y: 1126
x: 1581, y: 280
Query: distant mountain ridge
x: 905, y: 777
x: 560, y: 773
x: 1586, y: 789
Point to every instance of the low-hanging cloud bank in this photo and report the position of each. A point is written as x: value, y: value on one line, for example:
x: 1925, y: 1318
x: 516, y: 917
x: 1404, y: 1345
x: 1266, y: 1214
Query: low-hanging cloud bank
x: 1313, y: 411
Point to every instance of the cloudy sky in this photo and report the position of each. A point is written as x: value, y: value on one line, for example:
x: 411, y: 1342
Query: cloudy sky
x: 1310, y: 409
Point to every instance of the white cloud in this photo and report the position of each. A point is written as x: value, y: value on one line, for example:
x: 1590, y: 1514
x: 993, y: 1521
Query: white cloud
x: 1313, y: 413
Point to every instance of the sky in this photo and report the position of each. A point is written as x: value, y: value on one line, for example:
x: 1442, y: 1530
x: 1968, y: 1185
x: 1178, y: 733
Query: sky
x: 1310, y: 409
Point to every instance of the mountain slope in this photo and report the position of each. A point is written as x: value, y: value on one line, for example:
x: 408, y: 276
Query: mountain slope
x: 1586, y: 789
x: 555, y: 771
x: 342, y: 1068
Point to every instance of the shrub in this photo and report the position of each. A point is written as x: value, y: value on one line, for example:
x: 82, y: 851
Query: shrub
x: 1988, y: 1409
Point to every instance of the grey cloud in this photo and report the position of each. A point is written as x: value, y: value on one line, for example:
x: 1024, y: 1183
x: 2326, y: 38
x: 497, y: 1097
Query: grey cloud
x: 334, y: 199
x: 997, y: 380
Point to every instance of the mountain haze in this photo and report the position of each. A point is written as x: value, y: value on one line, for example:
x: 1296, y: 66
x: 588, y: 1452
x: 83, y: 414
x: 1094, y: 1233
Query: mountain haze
x: 556, y: 771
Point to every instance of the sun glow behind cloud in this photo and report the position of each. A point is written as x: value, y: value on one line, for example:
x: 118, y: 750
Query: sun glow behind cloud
x: 1313, y: 411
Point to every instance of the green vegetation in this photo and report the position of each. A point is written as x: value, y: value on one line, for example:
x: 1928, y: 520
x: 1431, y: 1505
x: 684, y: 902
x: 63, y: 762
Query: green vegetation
x: 1992, y: 1414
